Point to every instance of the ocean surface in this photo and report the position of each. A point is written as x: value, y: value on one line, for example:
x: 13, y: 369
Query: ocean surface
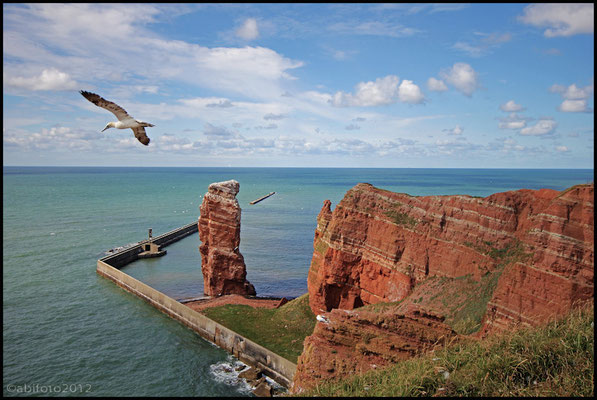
x: 69, y: 332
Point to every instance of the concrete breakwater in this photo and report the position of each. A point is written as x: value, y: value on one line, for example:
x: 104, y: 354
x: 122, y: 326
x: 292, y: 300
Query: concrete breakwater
x: 272, y: 364
x: 126, y: 256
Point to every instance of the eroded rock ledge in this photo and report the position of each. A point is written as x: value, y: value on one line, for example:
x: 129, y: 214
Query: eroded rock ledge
x: 222, y: 264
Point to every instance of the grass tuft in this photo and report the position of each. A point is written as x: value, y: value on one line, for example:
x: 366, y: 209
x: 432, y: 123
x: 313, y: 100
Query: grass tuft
x: 401, y: 218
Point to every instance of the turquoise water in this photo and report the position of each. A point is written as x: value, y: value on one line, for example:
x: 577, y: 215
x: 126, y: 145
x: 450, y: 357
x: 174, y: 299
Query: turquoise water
x: 66, y: 328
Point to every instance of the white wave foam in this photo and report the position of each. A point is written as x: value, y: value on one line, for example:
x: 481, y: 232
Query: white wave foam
x: 119, y: 248
x: 274, y: 384
x: 225, y: 372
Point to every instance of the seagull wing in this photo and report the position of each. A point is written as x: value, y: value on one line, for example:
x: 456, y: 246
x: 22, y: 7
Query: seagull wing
x: 140, y: 135
x: 108, y: 105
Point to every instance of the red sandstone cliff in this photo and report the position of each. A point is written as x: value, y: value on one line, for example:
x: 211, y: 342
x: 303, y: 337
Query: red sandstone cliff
x: 524, y: 256
x: 222, y: 264
x: 377, y: 245
x: 348, y: 342
x: 558, y: 230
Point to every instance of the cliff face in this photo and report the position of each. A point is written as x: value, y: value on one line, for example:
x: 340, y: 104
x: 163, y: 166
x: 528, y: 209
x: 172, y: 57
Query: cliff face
x: 377, y: 245
x: 222, y: 264
x: 511, y: 258
x: 348, y: 342
x: 558, y: 230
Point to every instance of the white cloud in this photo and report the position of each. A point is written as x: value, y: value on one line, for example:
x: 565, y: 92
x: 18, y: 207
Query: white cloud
x: 248, y: 70
x: 416, y: 8
x: 408, y: 92
x: 268, y: 126
x: 58, y: 138
x: 439, y: 7
x: 511, y: 106
x: 217, y: 131
x: 49, y: 79
x: 248, y: 30
x: 215, y: 110
x: 509, y: 145
x: 574, y: 106
x: 281, y: 145
x: 542, y: 127
x: 513, y: 121
x: 512, y: 124
x: 562, y: 149
x: 473, y: 51
x: 496, y: 38
x: 575, y: 98
x: 455, y: 146
x: 457, y: 130
x: 169, y: 143
x: 339, y: 55
x: 463, y: 77
x: 572, y: 92
x: 272, y: 116
x: 225, y: 103
x: 560, y: 19
x: 382, y: 91
x: 436, y: 85
x: 31, y: 30
x: 430, y: 8
x: 375, y: 28
x: 128, y: 91
x: 484, y: 45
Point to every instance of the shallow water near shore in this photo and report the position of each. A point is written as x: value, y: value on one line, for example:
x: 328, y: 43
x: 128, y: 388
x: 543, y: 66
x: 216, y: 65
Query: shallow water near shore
x: 67, y: 328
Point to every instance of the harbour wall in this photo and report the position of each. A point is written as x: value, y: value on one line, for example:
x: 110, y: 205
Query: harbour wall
x: 273, y: 365
x: 130, y: 254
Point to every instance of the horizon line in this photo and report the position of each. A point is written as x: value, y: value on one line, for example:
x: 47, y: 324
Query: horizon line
x: 295, y: 167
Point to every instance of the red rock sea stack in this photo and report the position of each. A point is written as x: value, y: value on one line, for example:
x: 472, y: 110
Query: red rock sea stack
x: 222, y: 264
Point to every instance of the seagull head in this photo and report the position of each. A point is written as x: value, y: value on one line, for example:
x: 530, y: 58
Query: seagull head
x: 108, y: 125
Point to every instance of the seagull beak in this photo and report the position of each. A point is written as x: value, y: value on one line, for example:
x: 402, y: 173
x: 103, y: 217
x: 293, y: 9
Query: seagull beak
x: 104, y: 128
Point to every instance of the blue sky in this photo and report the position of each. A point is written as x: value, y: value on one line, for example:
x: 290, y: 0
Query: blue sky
x: 301, y: 85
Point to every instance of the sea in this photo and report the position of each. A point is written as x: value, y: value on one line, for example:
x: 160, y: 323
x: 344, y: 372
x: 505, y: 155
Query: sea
x: 69, y: 332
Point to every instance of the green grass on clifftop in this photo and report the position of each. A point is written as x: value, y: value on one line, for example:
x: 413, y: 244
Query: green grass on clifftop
x: 281, y: 330
x: 556, y: 359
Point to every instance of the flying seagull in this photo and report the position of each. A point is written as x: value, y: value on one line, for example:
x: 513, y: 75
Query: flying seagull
x: 124, y: 119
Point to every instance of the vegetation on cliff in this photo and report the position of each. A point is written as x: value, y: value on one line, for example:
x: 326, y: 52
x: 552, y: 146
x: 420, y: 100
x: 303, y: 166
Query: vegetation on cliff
x: 461, y: 300
x: 281, y: 330
x: 556, y: 359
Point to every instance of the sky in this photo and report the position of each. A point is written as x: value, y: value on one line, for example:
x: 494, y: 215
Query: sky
x: 394, y: 85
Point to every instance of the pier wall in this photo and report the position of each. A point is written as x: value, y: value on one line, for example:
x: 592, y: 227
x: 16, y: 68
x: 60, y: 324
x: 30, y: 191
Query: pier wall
x: 128, y: 255
x: 176, y: 234
x: 273, y: 365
